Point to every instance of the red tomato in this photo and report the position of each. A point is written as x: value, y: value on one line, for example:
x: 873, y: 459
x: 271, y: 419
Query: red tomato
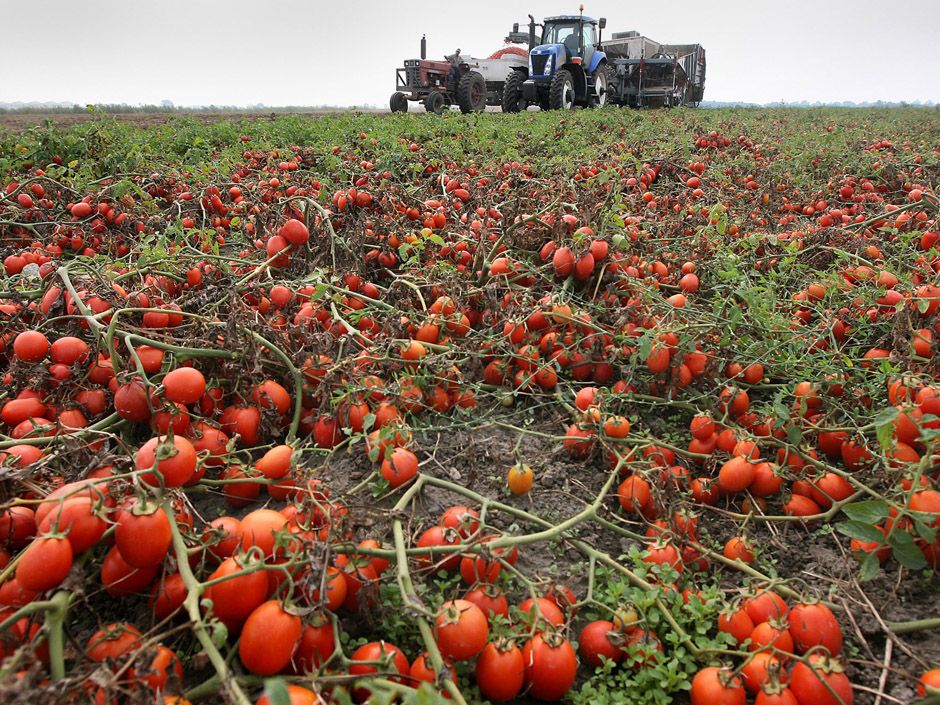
x: 500, y: 671
x: 317, y: 643
x: 461, y: 630
x: 143, y: 535
x: 172, y: 463
x: 120, y: 578
x: 79, y: 519
x: 268, y: 638
x: 815, y: 625
x: 45, y: 563
x: 595, y: 644
x: 715, y: 686
x: 391, y: 660
x: 401, y: 467
x: 184, y: 385
x: 550, y: 666
x: 820, y: 682
x: 237, y: 596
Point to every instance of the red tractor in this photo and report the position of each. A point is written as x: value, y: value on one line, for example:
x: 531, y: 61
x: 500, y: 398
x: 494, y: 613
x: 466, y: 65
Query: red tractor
x: 471, y: 84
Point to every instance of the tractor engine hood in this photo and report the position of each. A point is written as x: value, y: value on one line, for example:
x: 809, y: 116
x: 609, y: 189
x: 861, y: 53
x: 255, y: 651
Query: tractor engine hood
x: 545, y: 59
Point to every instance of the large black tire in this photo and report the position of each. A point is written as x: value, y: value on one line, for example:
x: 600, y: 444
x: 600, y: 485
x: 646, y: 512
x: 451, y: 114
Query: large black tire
x: 513, y: 102
x: 435, y: 103
x: 471, y: 93
x: 398, y: 103
x: 561, y: 95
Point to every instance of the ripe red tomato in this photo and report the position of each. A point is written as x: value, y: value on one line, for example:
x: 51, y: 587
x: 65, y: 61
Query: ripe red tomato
x: 461, y: 630
x: 297, y: 694
x: 812, y: 625
x: 113, y: 641
x: 930, y: 679
x: 259, y: 528
x: 715, y: 686
x: 68, y: 350
x: 30, y: 346
x: 184, y: 385
x: 490, y: 599
x: 79, y: 519
x: 173, y: 463
x: 238, y: 595
x: 821, y: 681
x: 120, y: 578
x: 550, y: 666
x: 143, y: 535
x: 401, y: 467
x: 541, y: 612
x: 275, y: 463
x: 316, y: 645
x: 131, y: 401
x: 164, y: 668
x: 463, y: 520
x: 268, y: 638
x: 391, y: 658
x: 168, y: 595
x: 595, y: 644
x: 45, y: 563
x: 500, y: 671
x: 423, y: 671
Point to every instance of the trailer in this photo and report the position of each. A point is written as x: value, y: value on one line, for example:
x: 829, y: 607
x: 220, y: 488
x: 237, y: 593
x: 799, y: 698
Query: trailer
x: 645, y: 73
x: 467, y: 82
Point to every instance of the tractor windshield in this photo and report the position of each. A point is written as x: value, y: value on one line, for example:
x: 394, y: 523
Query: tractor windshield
x: 558, y: 33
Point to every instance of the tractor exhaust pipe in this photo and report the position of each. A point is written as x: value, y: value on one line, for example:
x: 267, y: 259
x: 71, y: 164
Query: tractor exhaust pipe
x: 531, y: 33
x: 424, y: 47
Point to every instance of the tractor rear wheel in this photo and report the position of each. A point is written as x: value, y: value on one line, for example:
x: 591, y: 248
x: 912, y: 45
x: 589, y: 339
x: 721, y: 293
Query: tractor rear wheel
x: 398, y: 103
x: 513, y: 102
x: 561, y: 92
x: 601, y: 94
x: 434, y: 103
x: 471, y: 92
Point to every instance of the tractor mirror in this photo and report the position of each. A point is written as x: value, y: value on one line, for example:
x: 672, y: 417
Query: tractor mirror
x: 602, y: 23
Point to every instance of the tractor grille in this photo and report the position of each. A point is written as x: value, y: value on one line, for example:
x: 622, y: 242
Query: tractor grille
x: 412, y: 73
x: 538, y: 64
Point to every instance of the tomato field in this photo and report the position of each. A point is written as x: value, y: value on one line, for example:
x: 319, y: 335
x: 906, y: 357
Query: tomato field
x: 599, y: 407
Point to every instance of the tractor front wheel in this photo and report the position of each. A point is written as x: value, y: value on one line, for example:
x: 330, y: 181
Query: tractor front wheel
x: 471, y: 92
x: 398, y: 103
x: 513, y: 102
x: 561, y: 92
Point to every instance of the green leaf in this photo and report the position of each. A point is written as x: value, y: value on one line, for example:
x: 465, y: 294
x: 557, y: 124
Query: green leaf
x: 794, y: 435
x: 869, y: 512
x: 906, y: 552
x: 925, y: 531
x: 861, y: 531
x: 869, y: 567
x: 276, y: 692
x: 884, y: 425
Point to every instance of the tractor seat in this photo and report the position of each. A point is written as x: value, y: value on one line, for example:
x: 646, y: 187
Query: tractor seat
x: 571, y: 45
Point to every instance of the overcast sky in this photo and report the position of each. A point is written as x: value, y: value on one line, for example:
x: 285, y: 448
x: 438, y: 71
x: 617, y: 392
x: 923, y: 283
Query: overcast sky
x: 310, y: 52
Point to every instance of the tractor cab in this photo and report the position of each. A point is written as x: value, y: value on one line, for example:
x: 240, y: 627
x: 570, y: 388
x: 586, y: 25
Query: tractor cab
x: 570, y: 46
x: 577, y: 36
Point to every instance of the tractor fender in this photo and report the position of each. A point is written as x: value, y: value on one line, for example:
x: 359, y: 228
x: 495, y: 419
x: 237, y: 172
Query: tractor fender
x: 579, y: 78
x: 597, y: 59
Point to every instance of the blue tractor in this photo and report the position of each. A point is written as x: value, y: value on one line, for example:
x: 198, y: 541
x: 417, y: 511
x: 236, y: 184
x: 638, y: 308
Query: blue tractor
x: 568, y: 68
